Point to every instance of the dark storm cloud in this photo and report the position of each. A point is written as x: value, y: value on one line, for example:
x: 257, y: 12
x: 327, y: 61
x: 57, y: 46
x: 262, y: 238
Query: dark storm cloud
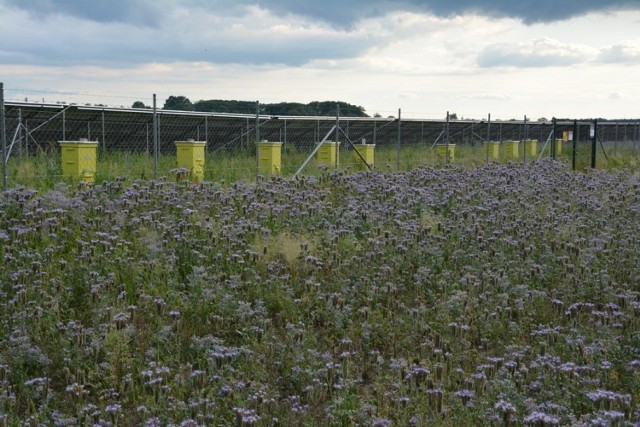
x: 341, y: 13
x: 347, y: 12
x: 137, y: 12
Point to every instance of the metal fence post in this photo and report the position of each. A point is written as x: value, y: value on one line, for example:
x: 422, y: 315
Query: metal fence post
x: 3, y: 139
x: 155, y: 138
x: 446, y: 141
x: 206, y: 129
x: 636, y: 133
x: 257, y: 139
x: 19, y: 133
x: 104, y: 135
x: 375, y: 131
x: 526, y: 136
x: 553, y: 139
x: 575, y: 146
x: 399, y: 139
x: 594, y: 140
x: 615, y: 142
x: 337, y: 135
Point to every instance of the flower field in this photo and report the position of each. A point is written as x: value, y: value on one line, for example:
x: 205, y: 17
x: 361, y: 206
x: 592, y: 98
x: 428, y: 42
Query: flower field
x: 504, y: 295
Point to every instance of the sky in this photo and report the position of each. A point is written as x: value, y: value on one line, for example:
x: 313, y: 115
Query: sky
x: 507, y: 58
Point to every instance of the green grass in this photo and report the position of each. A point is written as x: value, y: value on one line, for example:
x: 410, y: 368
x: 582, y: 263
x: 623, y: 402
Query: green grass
x: 43, y: 172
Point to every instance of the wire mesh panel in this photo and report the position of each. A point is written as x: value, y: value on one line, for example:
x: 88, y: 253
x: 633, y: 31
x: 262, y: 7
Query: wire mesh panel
x: 126, y: 141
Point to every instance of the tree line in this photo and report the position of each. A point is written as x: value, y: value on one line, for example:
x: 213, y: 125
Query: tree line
x: 315, y: 108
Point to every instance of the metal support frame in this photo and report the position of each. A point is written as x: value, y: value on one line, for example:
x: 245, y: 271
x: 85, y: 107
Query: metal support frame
x: 315, y: 150
x: 546, y: 142
x: 336, y: 130
x: 3, y: 140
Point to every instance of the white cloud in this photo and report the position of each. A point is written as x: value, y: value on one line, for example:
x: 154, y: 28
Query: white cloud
x: 484, y: 96
x: 542, y: 52
x: 626, y: 52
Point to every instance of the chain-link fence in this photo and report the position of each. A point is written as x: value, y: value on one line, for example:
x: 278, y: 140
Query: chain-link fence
x: 140, y: 143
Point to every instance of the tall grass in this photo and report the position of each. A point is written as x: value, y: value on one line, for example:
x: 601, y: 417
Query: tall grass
x: 43, y: 172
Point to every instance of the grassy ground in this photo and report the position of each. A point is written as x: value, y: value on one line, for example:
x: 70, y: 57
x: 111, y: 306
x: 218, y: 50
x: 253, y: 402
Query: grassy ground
x: 43, y: 172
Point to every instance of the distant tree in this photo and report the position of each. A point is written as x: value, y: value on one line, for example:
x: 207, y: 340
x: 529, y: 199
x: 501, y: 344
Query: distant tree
x: 178, y: 103
x: 377, y: 115
x: 543, y: 119
x: 138, y: 104
x: 326, y: 108
x: 453, y: 116
x: 222, y: 106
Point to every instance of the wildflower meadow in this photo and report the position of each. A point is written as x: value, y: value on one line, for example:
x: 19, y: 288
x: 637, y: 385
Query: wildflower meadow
x: 506, y: 295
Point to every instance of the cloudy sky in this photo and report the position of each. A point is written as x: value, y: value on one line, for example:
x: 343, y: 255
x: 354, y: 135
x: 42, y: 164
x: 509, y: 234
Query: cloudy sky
x: 510, y: 58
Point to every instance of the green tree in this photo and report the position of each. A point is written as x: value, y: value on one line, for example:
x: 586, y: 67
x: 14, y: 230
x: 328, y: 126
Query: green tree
x: 138, y: 104
x: 181, y: 103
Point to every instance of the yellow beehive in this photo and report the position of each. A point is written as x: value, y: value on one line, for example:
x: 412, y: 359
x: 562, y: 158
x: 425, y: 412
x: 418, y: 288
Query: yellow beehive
x: 190, y: 155
x: 442, y: 149
x: 367, y: 151
x: 493, y: 150
x: 270, y: 157
x: 511, y: 150
x: 328, y: 153
x: 531, y: 148
x: 79, y: 159
x: 558, y: 147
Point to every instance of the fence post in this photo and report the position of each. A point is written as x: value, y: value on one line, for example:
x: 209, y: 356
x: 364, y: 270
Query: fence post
x: 399, y: 139
x: 489, y: 127
x: 20, y: 134
x: 594, y: 140
x: 553, y: 139
x: 636, y: 133
x: 206, y: 129
x: 155, y: 138
x: 525, y: 137
x: 375, y: 131
x: 104, y: 137
x: 337, y: 136
x: 257, y: 139
x: 3, y: 139
x: 615, y: 142
x: 446, y: 141
x: 575, y: 146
